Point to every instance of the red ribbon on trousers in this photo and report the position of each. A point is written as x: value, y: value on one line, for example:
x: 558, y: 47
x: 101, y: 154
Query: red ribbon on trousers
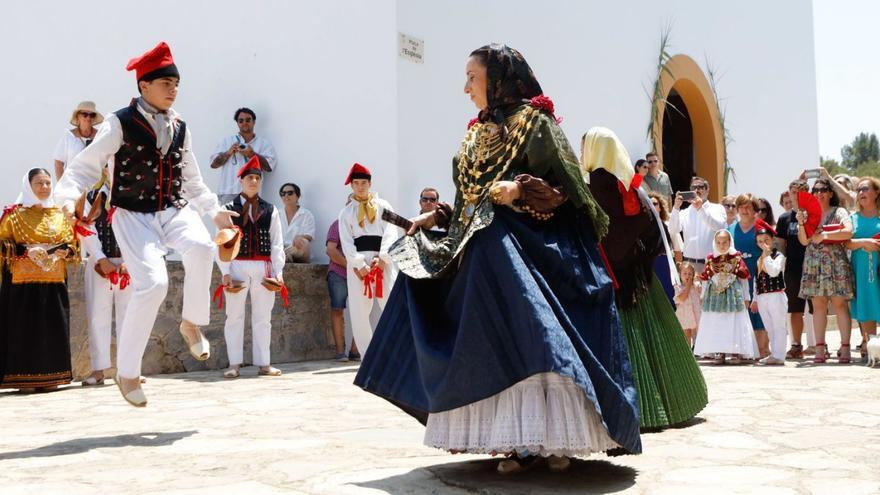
x: 218, y: 294
x: 284, y: 296
x: 374, y: 276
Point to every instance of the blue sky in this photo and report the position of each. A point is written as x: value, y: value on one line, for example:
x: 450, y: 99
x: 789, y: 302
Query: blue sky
x: 847, y: 71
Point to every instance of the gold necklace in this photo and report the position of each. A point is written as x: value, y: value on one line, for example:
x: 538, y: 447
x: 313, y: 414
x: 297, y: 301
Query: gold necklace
x: 27, y: 230
x: 481, y: 142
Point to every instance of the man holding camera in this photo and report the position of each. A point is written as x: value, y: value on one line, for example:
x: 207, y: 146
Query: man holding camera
x: 234, y: 151
x: 698, y: 223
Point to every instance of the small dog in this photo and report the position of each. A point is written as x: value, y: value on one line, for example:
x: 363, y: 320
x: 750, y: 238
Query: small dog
x: 874, y: 350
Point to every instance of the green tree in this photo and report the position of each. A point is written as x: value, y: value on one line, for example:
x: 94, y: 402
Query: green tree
x: 832, y: 166
x: 864, y: 148
x: 868, y: 169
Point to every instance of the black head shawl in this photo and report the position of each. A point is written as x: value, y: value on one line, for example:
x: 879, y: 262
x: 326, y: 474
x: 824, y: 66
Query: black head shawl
x: 510, y: 81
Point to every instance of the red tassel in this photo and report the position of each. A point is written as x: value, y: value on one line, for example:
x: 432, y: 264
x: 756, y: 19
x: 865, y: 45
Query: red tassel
x: 284, y: 296
x: 110, y: 213
x: 218, y: 294
x: 608, y: 267
x: 124, y: 281
x: 81, y: 231
x: 375, y: 276
x: 113, y: 278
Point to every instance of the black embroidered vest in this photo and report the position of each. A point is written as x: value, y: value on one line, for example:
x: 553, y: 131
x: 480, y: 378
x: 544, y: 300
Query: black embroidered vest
x: 105, y: 231
x: 143, y: 179
x: 766, y: 284
x: 256, y: 241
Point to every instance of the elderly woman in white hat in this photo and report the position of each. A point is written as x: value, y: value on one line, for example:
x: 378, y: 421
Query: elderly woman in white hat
x: 84, y: 120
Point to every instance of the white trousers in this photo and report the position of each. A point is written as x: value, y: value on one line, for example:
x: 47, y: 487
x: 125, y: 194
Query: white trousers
x: 773, y: 308
x: 262, y: 301
x: 101, y: 298
x: 360, y: 306
x: 144, y: 240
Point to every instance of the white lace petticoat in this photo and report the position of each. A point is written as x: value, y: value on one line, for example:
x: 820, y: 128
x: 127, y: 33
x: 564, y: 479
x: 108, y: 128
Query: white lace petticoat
x: 545, y: 414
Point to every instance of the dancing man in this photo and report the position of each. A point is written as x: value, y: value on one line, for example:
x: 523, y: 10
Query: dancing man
x: 158, y: 193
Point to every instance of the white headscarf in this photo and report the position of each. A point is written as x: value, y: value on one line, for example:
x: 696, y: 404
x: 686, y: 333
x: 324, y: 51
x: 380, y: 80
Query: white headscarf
x: 27, y: 197
x: 730, y: 250
x: 600, y: 148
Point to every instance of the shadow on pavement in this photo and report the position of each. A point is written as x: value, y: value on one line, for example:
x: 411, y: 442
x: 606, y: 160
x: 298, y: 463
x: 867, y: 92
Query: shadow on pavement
x: 81, y: 445
x: 583, y: 477
x: 696, y: 420
x: 249, y: 371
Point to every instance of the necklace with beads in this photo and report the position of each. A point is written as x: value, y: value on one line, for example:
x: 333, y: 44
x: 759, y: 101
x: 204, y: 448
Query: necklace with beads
x: 32, y: 233
x: 482, y: 142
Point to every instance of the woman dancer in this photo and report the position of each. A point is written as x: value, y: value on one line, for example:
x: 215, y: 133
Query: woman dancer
x: 503, y: 336
x: 670, y: 386
x: 34, y: 309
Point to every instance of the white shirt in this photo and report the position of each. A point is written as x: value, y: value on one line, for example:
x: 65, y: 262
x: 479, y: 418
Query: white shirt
x: 68, y: 147
x: 302, y: 223
x: 275, y: 237
x: 698, y: 228
x: 229, y: 183
x: 349, y: 230
x: 85, y: 170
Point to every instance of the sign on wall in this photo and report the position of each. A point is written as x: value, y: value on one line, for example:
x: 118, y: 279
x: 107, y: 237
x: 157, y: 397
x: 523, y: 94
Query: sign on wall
x: 412, y: 49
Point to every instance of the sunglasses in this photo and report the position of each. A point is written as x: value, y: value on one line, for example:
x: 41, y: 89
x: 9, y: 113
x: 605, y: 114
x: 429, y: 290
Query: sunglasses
x: 287, y: 193
x: 653, y: 161
x: 699, y: 186
x: 729, y: 206
x: 817, y: 190
x: 424, y: 199
x: 89, y: 115
x: 244, y: 121
x: 763, y: 210
x: 863, y: 189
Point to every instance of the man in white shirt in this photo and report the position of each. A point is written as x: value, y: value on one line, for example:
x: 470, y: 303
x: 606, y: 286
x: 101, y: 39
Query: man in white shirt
x: 698, y: 223
x: 366, y: 239
x: 234, y: 151
x: 158, y: 194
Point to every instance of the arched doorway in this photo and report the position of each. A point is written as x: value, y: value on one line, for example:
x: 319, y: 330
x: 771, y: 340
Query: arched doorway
x: 689, y: 139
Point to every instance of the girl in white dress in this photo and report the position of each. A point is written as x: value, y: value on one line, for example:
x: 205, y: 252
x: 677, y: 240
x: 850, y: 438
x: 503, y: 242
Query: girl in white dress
x: 725, y: 327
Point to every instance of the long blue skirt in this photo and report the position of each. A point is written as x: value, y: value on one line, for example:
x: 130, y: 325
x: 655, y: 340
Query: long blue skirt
x: 527, y: 298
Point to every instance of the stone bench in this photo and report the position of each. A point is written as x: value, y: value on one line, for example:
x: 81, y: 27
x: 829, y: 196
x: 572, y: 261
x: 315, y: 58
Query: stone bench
x: 300, y: 332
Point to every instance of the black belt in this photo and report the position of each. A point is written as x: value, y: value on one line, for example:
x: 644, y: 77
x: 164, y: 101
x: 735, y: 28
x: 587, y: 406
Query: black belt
x: 368, y: 243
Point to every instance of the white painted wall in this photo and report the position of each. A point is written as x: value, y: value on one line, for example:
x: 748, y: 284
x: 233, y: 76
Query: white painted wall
x: 329, y: 89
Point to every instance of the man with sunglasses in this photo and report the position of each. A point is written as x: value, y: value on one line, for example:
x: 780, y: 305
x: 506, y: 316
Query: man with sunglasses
x: 698, y: 223
x: 428, y: 199
x: 234, y: 151
x: 656, y: 179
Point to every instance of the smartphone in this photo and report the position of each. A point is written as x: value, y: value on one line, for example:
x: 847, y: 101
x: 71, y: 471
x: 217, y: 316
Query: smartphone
x: 813, y: 173
x: 687, y: 195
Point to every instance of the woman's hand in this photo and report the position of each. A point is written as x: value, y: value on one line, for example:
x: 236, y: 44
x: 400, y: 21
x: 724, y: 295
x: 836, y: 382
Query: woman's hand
x: 871, y: 245
x: 801, y: 216
x: 504, y: 192
x: 818, y: 237
x: 754, y: 306
x: 423, y: 221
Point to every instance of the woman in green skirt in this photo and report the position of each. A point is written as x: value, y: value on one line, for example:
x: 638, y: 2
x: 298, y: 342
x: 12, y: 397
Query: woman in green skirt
x: 670, y: 386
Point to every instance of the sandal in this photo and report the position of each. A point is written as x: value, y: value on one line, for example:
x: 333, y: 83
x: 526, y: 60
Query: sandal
x: 232, y: 373
x: 844, y: 356
x: 91, y: 381
x: 821, y: 354
x: 796, y: 352
x: 269, y: 371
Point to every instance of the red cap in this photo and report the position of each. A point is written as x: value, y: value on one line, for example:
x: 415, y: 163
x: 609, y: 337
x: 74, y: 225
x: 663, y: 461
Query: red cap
x: 762, y: 227
x: 154, y: 64
x: 358, y: 171
x: 251, y: 167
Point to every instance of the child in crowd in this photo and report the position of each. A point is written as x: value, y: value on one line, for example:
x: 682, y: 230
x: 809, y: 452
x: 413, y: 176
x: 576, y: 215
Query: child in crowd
x: 687, y: 300
x: 770, y: 290
x: 725, y: 327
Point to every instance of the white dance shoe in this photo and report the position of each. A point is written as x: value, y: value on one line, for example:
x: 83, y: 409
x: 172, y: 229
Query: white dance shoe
x: 199, y: 348
x: 134, y: 397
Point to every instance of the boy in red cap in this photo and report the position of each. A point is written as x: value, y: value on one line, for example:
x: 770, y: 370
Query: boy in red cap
x: 365, y: 240
x: 148, y: 149
x: 770, y: 290
x: 261, y: 256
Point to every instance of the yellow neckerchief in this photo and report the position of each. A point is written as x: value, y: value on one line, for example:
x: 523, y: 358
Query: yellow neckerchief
x: 366, y: 209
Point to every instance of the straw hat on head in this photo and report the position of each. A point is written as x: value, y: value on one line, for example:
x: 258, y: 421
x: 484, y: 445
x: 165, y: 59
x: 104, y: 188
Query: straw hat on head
x: 86, y: 106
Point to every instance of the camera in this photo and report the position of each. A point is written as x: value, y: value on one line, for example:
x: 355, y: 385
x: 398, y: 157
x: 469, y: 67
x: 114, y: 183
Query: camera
x: 687, y: 195
x: 242, y: 146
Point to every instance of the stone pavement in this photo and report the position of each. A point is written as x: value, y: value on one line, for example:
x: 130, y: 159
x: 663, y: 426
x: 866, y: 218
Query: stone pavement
x: 794, y: 429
